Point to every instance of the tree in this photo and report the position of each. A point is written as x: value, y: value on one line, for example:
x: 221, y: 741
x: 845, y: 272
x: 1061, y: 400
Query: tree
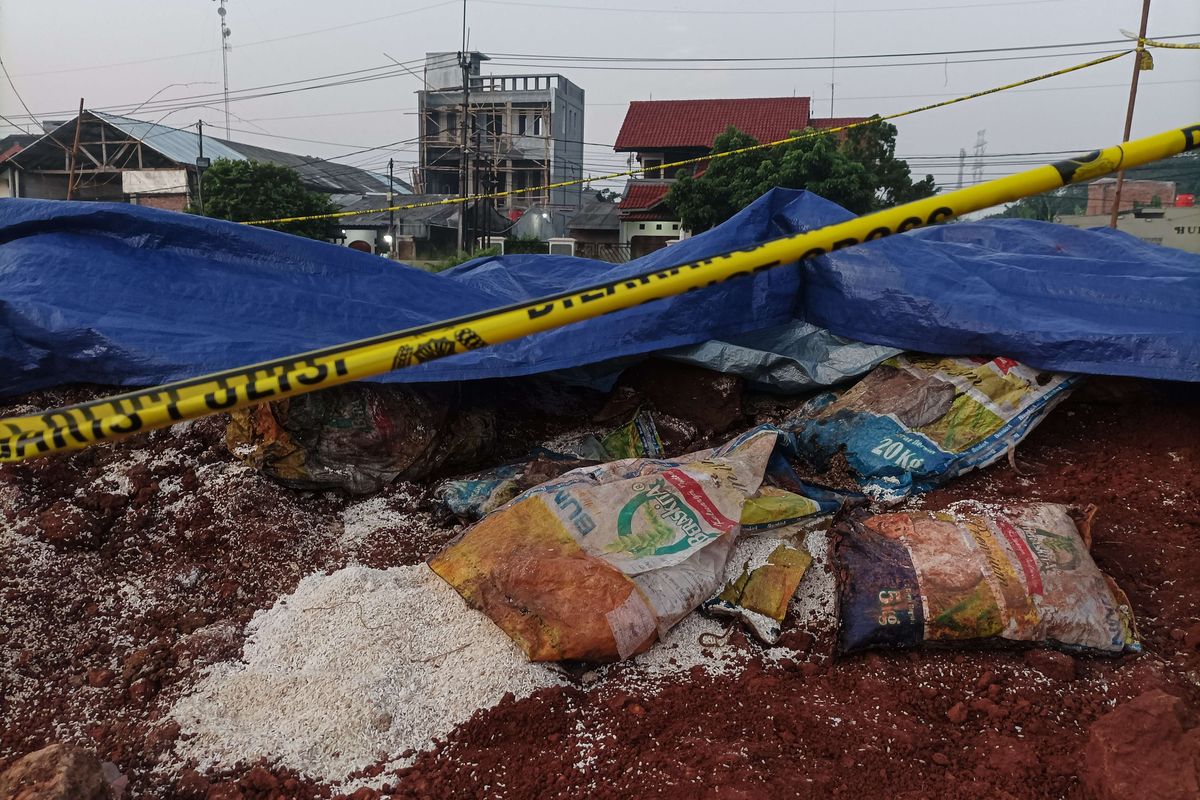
x: 861, y: 174
x: 1048, y: 206
x: 246, y: 190
x: 874, y: 146
x: 608, y: 196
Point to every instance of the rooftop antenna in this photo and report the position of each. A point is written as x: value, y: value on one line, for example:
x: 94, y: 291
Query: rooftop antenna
x: 224, y: 59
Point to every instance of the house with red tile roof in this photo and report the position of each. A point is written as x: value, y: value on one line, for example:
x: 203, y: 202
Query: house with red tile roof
x: 664, y: 131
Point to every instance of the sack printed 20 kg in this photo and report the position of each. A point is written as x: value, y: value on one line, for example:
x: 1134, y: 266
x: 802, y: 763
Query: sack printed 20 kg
x: 917, y: 421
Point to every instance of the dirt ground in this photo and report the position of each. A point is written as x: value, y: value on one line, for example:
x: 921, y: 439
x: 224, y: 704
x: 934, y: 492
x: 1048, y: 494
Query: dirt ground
x: 129, y: 568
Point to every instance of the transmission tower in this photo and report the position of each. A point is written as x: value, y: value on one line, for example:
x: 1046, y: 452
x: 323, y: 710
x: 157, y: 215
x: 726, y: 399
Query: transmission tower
x: 980, y: 150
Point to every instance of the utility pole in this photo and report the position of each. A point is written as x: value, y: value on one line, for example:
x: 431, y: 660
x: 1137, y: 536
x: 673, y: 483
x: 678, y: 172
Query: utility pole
x: 464, y: 62
x: 391, y: 211
x: 201, y: 165
x: 225, y: 59
x: 1138, y: 55
x: 74, y: 150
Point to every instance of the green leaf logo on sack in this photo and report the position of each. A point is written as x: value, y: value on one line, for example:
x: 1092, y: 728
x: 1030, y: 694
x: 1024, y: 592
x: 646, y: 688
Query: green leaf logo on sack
x: 675, y: 517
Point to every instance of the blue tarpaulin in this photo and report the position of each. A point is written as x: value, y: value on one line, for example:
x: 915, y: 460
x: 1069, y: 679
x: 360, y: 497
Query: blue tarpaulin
x: 124, y: 295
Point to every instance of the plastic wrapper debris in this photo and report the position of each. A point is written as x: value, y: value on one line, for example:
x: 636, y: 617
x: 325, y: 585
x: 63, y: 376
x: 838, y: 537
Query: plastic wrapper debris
x: 760, y: 596
x: 359, y: 437
x: 475, y: 496
x: 917, y: 421
x: 597, y: 564
x: 637, y: 438
x: 1020, y: 573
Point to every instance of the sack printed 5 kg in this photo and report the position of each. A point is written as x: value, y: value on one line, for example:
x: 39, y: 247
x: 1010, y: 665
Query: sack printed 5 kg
x: 1021, y: 573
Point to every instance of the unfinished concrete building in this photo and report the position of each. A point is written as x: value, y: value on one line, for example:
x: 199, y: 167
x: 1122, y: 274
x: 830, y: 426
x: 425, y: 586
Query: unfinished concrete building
x: 523, y: 131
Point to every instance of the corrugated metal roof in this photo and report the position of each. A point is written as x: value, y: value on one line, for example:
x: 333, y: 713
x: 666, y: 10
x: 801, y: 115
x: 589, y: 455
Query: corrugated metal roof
x: 596, y: 215
x: 316, y: 173
x: 176, y: 144
x: 183, y: 146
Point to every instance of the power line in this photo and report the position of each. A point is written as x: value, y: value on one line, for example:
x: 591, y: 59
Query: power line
x: 740, y: 13
x: 726, y: 59
x: 240, y: 46
x: 883, y: 65
x: 178, y: 103
x: 14, y: 88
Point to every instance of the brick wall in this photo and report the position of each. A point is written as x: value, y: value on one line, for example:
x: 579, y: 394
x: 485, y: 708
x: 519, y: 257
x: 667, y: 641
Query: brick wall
x: 1100, y: 195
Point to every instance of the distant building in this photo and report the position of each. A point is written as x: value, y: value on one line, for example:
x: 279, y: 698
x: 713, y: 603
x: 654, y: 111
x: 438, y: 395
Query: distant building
x: 9, y: 147
x: 664, y: 131
x: 596, y: 230
x: 426, y: 233
x: 1176, y: 226
x: 522, y: 131
x: 1134, y: 194
x: 125, y: 160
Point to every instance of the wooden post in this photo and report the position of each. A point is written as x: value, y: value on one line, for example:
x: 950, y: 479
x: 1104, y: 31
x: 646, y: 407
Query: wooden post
x: 74, y: 150
x: 1137, y: 69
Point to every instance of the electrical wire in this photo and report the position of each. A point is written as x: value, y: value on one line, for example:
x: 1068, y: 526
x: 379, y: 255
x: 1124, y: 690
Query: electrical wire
x: 18, y: 94
x: 242, y: 44
x: 916, y: 54
x: 893, y: 65
x: 740, y: 12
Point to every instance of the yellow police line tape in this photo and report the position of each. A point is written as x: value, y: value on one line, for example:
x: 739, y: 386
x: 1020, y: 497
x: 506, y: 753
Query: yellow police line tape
x: 1171, y: 45
x: 80, y: 425
x: 689, y: 161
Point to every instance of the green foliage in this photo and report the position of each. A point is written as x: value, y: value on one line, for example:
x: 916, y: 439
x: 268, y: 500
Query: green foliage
x: 462, y: 257
x: 245, y: 190
x: 861, y: 174
x: 608, y: 196
x: 1048, y: 205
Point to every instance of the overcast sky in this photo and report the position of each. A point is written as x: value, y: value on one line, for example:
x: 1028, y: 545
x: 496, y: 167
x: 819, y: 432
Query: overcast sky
x: 58, y: 51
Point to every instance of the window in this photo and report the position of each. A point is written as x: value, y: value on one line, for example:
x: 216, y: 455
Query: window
x: 537, y: 125
x: 674, y: 226
x: 641, y: 226
x: 658, y: 227
x: 522, y: 122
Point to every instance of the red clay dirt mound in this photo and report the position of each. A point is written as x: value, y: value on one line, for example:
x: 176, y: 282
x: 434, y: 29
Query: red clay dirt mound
x: 148, y: 557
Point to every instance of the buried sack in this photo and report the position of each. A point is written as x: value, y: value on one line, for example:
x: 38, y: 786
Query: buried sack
x: 916, y: 421
x: 597, y: 564
x: 1021, y: 573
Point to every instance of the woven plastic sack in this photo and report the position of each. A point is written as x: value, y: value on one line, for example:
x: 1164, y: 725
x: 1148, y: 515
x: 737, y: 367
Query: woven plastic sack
x: 916, y: 421
x: 596, y: 565
x: 1021, y: 573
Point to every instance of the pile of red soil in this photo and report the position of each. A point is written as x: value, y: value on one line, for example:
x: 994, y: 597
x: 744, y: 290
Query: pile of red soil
x: 911, y: 725
x: 151, y: 554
